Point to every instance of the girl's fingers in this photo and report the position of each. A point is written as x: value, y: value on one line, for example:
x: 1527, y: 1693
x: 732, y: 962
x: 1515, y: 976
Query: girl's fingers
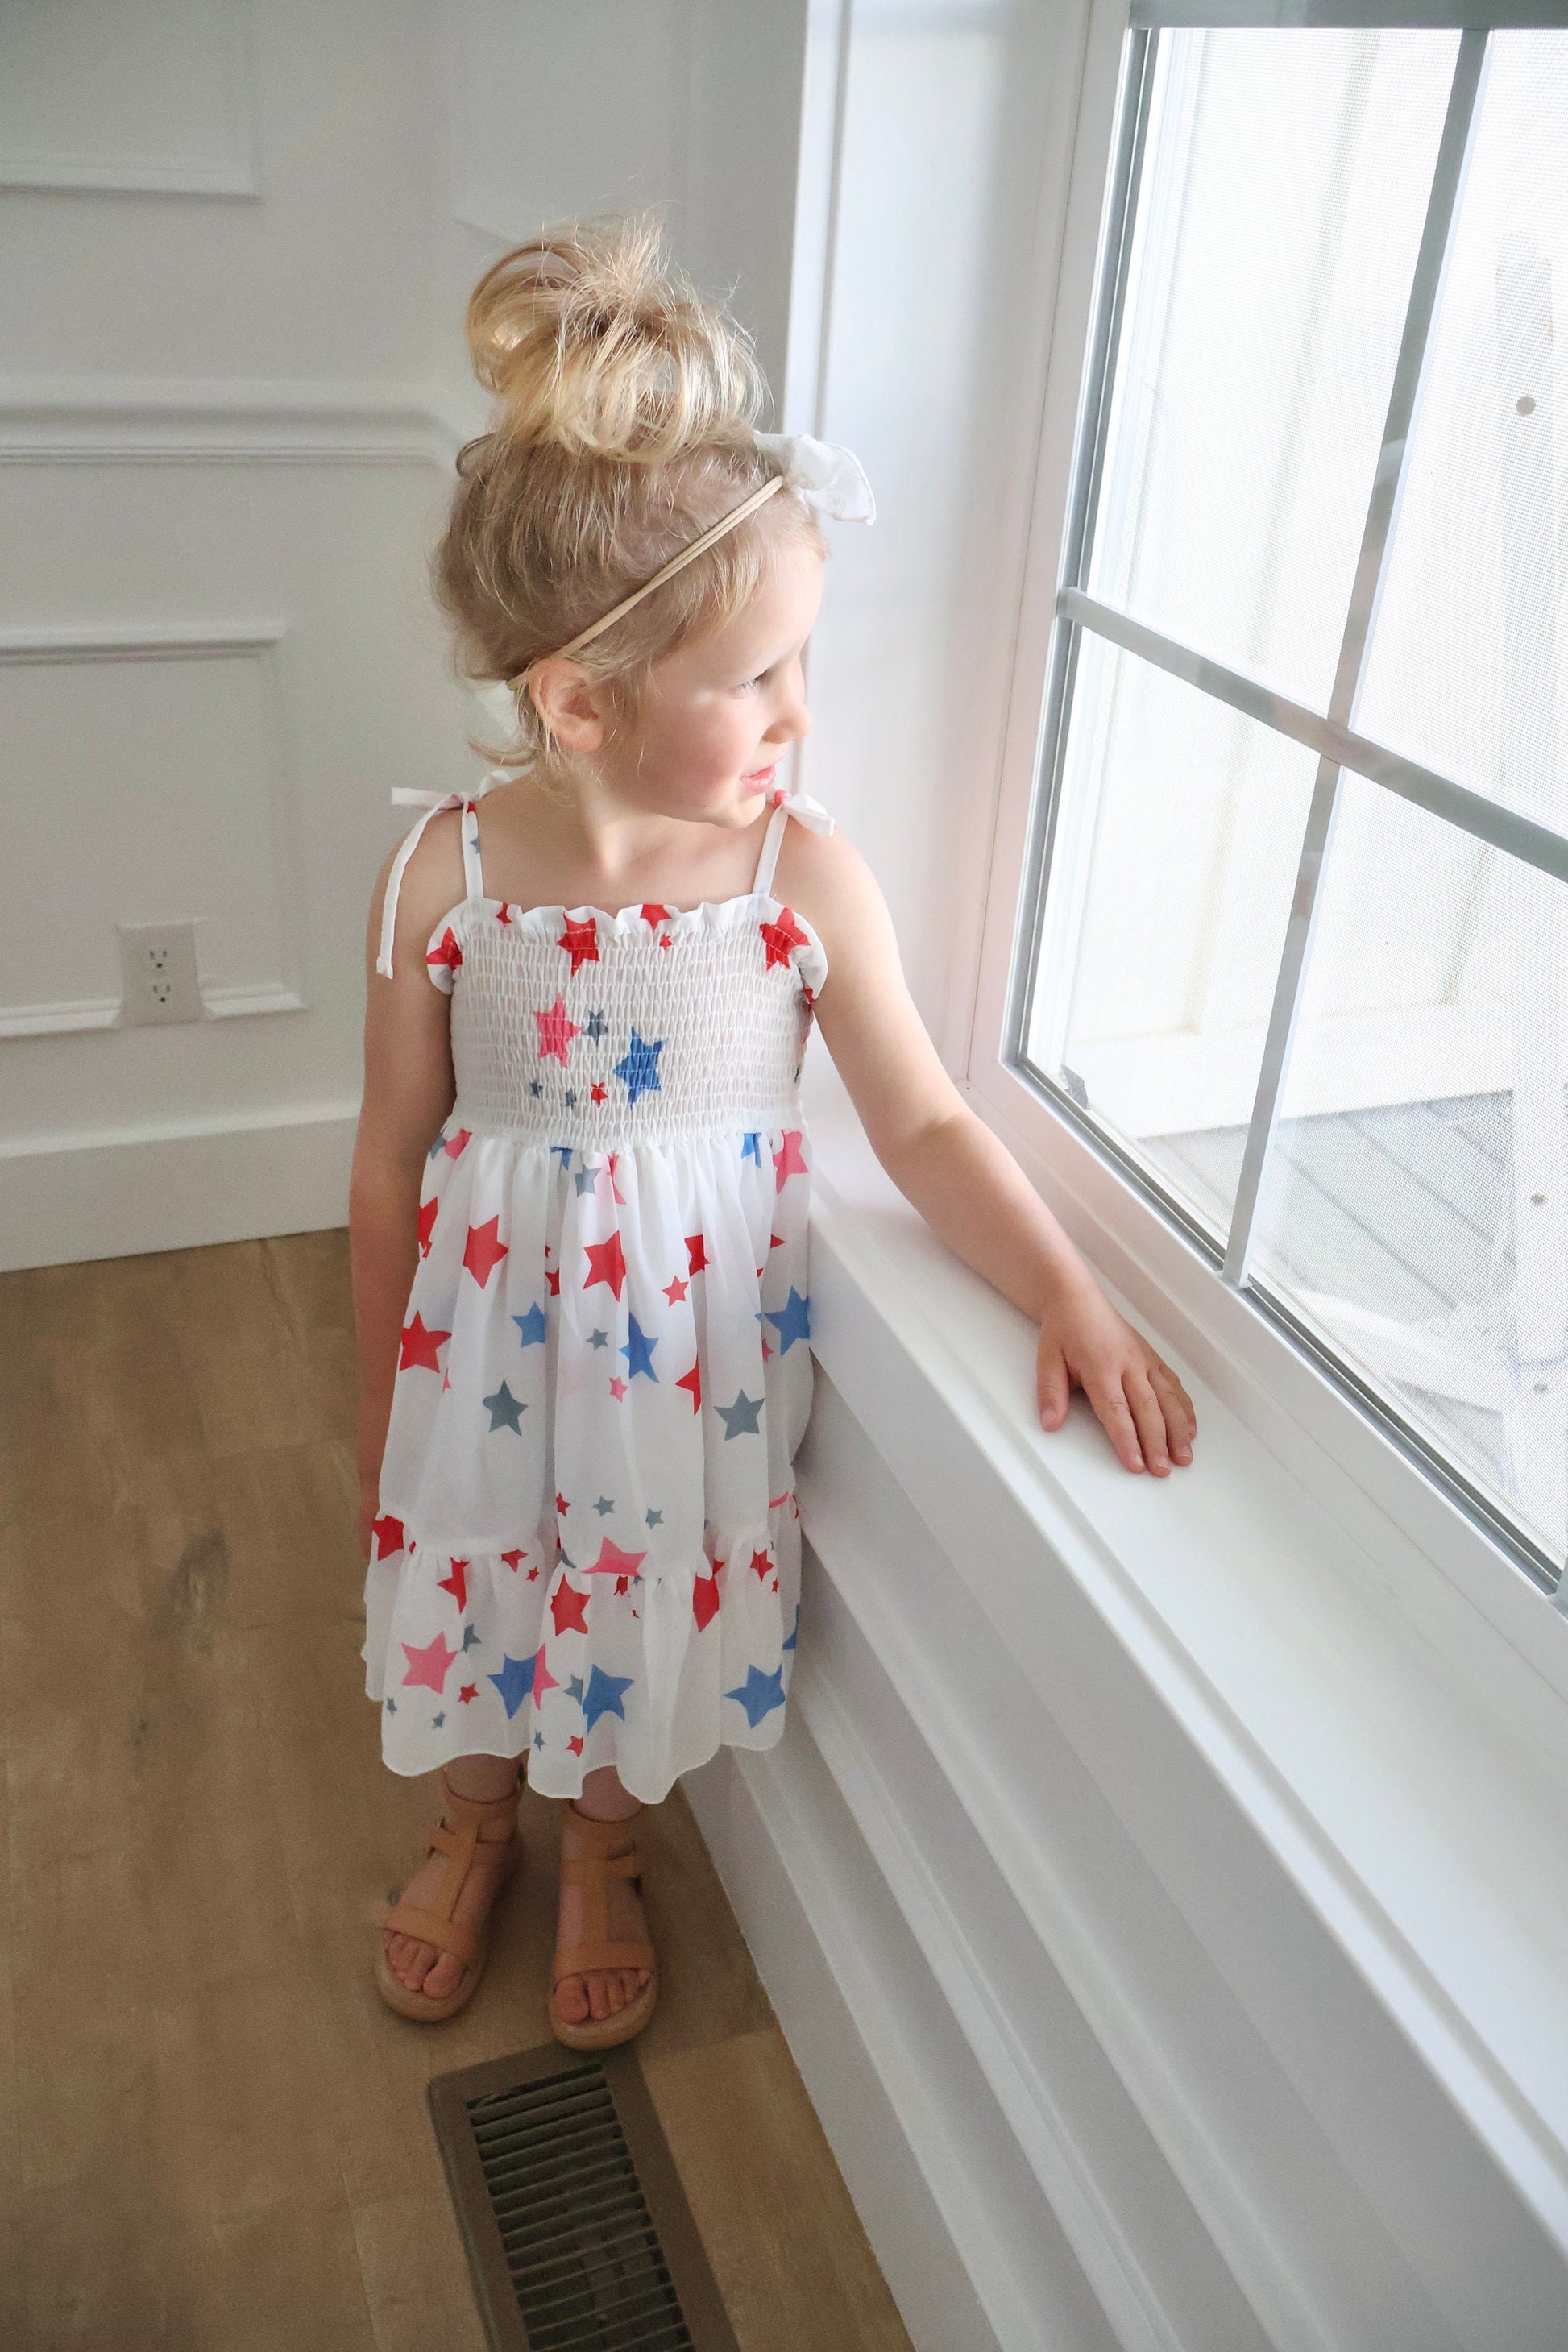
x: 1181, y: 1421
x: 1148, y: 1415
x: 1053, y: 1384
x: 1111, y: 1405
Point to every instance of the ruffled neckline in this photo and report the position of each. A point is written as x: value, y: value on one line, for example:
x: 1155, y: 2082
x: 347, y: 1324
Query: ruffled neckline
x: 631, y: 922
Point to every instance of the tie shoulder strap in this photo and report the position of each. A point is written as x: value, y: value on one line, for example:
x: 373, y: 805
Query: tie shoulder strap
x: 809, y: 813
x: 432, y: 802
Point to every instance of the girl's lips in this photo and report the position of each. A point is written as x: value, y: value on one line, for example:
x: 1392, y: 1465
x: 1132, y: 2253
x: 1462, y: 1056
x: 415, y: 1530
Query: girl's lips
x: 759, y: 778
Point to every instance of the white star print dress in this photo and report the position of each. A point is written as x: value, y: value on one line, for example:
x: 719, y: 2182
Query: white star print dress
x: 588, y: 1546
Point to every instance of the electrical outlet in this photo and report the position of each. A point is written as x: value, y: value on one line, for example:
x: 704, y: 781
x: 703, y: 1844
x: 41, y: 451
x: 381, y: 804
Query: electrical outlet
x: 158, y: 967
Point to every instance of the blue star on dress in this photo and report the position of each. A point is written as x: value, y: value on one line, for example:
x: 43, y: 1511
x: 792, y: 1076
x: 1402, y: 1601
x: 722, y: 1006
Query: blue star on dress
x: 638, y: 1351
x: 534, y: 1088
x: 740, y: 1419
x: 654, y: 1518
x: 565, y: 1152
x: 792, y: 1321
x: 599, y: 1338
x: 760, y: 1694
x: 514, y: 1682
x: 593, y: 1027
x: 505, y: 1411
x: 602, y: 1695
x: 638, y: 1067
x: 603, y: 1505
x: 471, y: 1638
x: 750, y: 1148
x: 439, y: 1145
x: 531, y: 1328
x: 575, y: 1688
x: 585, y: 1181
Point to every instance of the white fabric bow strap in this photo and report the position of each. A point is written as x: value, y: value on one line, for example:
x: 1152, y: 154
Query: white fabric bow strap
x: 430, y: 803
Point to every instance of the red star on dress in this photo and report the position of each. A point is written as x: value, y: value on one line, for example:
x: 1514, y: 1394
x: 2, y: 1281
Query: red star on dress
x: 776, y: 1584
x: 781, y: 938
x: 569, y: 1609
x: 606, y: 1263
x: 776, y: 1241
x: 767, y: 1351
x: 676, y: 1291
x: 696, y: 1254
x: 561, y: 1504
x: 534, y: 1576
x: 544, y: 1679
x: 387, y: 1533
x: 575, y: 1743
x: 618, y: 1387
x: 457, y: 1584
x: 552, y: 1280
x: 664, y: 941
x: 774, y: 1500
x: 449, y: 953
x: 621, y: 1584
x: 484, y: 1251
x: 808, y: 996
x: 693, y: 1381
x: 469, y: 1691
x: 427, y: 1215
x: 419, y: 1345
x: 431, y: 1664
x: 581, y: 941
x: 760, y: 1565
x: 503, y: 914
x: 452, y: 1147
x: 557, y: 1030
x: 787, y: 1161
x: 705, y: 1600
x: 614, y: 1562
x: 596, y: 1092
x: 653, y: 915
x: 612, y: 1160
x: 514, y: 1560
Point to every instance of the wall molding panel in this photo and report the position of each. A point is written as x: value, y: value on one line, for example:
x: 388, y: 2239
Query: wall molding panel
x: 190, y: 420
x: 180, y: 69
x: 195, y: 642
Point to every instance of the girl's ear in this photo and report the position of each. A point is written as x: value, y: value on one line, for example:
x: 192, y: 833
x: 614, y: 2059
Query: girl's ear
x: 567, y: 703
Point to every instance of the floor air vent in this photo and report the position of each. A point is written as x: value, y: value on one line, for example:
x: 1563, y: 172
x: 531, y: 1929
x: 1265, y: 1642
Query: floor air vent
x: 575, y: 2224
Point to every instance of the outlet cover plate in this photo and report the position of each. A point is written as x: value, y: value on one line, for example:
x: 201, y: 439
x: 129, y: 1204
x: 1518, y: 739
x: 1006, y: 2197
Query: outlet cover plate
x: 158, y: 969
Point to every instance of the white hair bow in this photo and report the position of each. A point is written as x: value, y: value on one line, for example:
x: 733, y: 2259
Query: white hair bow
x: 830, y: 479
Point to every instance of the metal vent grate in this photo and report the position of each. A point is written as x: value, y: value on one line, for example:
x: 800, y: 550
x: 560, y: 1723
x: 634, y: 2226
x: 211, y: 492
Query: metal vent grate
x: 577, y: 2227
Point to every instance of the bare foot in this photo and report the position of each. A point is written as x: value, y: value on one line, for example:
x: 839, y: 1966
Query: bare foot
x: 422, y: 1967
x: 600, y: 1992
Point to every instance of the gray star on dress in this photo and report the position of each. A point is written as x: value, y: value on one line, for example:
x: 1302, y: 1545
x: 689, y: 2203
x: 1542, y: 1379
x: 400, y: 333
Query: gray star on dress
x: 654, y: 1518
x: 392, y: 1706
x: 534, y: 1088
x: 740, y: 1419
x: 437, y: 1720
x: 575, y: 1688
x: 593, y: 1027
x: 596, y: 1338
x: 570, y: 1100
x: 538, y: 1739
x: 470, y: 1638
x: 585, y: 1181
x: 603, y: 1504
x: 505, y: 1409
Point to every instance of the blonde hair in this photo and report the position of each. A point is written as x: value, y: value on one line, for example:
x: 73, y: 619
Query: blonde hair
x: 625, y: 428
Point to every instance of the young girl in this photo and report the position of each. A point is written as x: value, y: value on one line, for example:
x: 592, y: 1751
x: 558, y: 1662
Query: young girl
x: 582, y: 1308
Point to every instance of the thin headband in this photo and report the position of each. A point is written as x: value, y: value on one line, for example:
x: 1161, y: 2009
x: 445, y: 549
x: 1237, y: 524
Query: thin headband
x: 667, y: 572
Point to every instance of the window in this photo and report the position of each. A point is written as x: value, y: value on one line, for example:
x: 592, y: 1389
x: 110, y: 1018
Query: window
x: 1295, y: 947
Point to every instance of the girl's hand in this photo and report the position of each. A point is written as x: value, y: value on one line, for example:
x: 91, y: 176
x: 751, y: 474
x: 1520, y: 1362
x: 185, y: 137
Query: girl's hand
x: 1146, y: 1412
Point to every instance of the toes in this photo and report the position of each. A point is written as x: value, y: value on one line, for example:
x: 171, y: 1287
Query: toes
x: 444, y: 1977
x: 572, y: 2000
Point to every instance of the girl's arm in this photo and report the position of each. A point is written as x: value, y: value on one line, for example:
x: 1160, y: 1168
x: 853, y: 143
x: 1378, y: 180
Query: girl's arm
x: 409, y: 1087
x: 964, y: 1182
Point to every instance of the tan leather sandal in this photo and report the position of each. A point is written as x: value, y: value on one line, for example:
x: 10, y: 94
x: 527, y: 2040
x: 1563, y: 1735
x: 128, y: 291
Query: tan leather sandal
x: 490, y: 1820
x: 592, y: 1852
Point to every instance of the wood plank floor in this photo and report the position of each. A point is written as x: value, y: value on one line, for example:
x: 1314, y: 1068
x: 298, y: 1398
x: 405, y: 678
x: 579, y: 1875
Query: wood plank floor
x: 213, y: 2134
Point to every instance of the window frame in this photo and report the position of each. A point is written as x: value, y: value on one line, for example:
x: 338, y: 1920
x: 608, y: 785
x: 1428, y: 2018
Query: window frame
x: 1310, y: 1406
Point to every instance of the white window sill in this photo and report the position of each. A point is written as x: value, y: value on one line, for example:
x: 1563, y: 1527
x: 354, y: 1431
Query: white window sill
x: 1408, y: 1780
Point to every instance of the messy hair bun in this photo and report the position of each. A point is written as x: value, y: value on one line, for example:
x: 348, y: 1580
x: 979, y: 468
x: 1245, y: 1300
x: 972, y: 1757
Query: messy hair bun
x: 624, y: 427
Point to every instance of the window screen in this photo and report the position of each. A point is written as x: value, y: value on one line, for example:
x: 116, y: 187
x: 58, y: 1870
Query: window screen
x: 1296, y: 947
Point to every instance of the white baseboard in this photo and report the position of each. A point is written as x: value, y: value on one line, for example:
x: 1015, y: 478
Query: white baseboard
x: 120, y: 1193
